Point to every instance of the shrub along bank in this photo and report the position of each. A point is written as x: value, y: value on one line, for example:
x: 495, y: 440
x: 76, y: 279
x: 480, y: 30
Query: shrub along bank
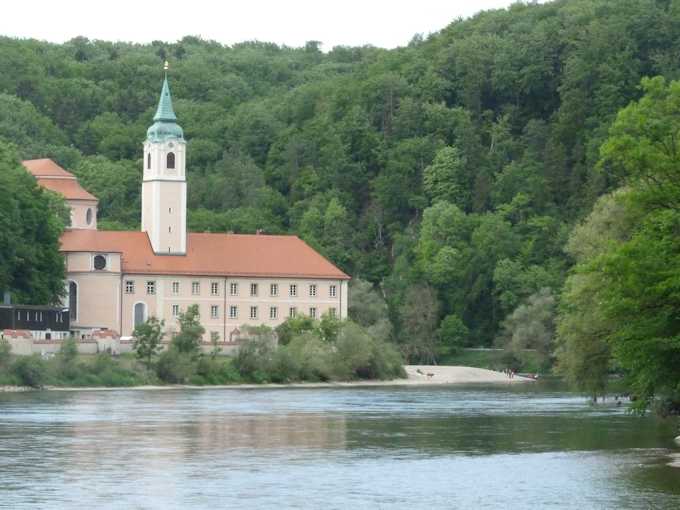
x: 326, y: 350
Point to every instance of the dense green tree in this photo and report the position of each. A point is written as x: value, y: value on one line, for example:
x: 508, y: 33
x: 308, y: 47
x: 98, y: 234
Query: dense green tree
x: 531, y: 326
x: 31, y: 267
x: 147, y: 339
x: 352, y: 149
x: 419, y: 315
x: 445, y: 178
x: 190, y: 335
x: 453, y: 333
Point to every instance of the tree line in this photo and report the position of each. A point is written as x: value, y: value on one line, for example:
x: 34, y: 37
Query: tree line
x: 454, y: 175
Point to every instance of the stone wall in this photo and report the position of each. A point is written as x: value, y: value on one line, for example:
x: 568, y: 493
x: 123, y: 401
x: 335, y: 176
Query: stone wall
x: 23, y: 343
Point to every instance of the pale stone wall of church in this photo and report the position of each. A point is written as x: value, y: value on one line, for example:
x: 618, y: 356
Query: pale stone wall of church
x: 98, y: 291
x: 80, y: 216
x: 164, y: 196
x: 167, y: 296
x: 164, y: 215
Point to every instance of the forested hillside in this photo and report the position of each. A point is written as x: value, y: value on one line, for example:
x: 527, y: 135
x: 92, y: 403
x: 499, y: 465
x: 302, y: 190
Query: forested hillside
x: 448, y: 173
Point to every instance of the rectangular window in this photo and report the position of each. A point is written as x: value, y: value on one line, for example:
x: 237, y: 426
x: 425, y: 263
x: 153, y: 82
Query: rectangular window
x: 253, y: 289
x: 214, y: 289
x: 274, y: 289
x: 195, y: 288
x: 312, y: 290
x: 175, y: 287
x: 233, y: 312
x: 253, y: 312
x: 175, y: 311
x: 333, y: 312
x: 292, y: 312
x: 151, y: 287
x: 292, y: 290
x: 312, y: 312
x: 129, y: 286
x: 214, y: 311
x: 273, y: 312
x: 332, y: 291
x: 233, y: 289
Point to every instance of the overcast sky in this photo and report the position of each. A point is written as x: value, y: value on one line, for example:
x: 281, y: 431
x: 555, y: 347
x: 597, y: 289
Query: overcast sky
x: 382, y: 23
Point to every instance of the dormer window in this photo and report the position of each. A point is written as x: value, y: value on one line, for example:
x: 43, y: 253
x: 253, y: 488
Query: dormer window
x: 170, y: 160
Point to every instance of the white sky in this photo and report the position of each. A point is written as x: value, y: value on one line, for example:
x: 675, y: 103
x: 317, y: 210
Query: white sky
x: 381, y: 23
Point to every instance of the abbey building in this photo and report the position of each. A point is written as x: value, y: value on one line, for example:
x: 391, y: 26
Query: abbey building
x: 117, y: 280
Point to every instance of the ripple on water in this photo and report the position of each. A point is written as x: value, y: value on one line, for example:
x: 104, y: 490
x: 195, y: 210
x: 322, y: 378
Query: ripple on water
x: 455, y: 447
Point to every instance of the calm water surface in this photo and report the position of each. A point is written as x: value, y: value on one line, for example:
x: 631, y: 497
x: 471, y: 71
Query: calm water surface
x: 525, y: 446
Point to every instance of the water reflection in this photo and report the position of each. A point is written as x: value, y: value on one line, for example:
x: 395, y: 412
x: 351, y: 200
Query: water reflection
x: 337, y: 448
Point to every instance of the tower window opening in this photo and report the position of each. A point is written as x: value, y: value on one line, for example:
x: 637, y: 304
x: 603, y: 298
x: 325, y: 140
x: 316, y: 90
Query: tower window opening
x: 148, y: 160
x: 170, y: 160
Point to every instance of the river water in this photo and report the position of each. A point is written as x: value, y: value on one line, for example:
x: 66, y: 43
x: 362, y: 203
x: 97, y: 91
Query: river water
x: 520, y: 446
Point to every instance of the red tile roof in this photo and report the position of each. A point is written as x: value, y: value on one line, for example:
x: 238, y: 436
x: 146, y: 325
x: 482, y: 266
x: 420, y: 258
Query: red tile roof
x: 209, y: 254
x: 45, y: 168
x: 17, y: 333
x: 53, y: 177
x: 69, y: 189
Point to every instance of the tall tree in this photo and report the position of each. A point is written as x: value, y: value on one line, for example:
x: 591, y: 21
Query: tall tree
x: 31, y: 267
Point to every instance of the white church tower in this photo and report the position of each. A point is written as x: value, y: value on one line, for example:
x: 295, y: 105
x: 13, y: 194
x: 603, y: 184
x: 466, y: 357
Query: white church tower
x: 164, y: 186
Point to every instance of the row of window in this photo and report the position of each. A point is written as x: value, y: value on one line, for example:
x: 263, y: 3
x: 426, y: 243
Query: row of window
x: 233, y: 289
x: 254, y: 312
x: 37, y: 316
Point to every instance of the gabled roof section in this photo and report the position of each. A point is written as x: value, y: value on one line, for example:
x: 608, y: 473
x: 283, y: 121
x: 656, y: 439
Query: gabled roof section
x: 54, y: 178
x: 46, y: 168
x: 259, y: 256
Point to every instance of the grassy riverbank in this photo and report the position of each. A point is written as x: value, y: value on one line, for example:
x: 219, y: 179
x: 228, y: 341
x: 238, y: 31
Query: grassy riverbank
x: 416, y: 375
x: 351, y: 356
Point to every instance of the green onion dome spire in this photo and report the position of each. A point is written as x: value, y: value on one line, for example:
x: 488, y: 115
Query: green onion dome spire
x: 165, y: 121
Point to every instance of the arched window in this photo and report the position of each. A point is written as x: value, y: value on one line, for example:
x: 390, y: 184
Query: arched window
x: 148, y: 160
x: 171, y: 160
x: 73, y: 301
x: 88, y: 216
x: 140, y: 314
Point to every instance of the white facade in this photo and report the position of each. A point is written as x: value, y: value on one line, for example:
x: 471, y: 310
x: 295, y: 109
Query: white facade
x: 164, y: 196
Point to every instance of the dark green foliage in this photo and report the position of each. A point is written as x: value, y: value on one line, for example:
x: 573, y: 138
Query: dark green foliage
x: 31, y: 267
x: 459, y: 162
x: 294, y: 326
x: 148, y: 337
x: 624, y: 292
x: 174, y: 366
x: 352, y: 354
x: 531, y: 326
x: 188, y: 339
x: 453, y: 334
x: 5, y: 353
x: 30, y: 371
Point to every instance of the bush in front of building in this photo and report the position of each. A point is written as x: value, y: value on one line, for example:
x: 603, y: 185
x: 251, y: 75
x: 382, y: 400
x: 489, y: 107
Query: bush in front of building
x: 5, y: 353
x: 353, y: 354
x: 30, y: 371
x: 213, y: 370
x: 175, y: 367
